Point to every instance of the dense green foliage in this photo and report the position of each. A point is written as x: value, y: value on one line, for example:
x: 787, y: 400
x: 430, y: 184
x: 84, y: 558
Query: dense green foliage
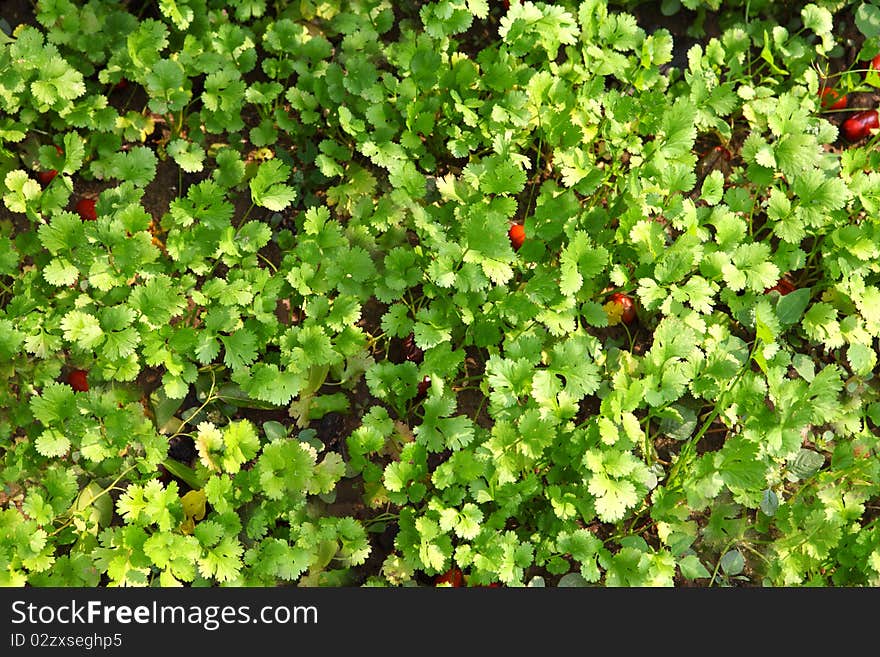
x: 340, y: 178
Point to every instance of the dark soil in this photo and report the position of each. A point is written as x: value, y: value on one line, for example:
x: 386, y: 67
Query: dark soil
x: 713, y: 439
x: 164, y: 188
x: 17, y: 12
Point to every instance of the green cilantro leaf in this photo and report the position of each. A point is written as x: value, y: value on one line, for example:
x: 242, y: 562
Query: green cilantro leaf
x: 188, y: 155
x: 82, y: 329
x: 267, y: 188
x: 240, y: 348
x: 137, y: 166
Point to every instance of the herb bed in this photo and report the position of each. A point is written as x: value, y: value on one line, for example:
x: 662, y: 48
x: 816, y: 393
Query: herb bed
x: 454, y: 293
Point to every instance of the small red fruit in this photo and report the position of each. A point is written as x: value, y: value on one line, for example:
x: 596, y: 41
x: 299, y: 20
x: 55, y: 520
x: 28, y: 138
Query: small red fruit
x: 78, y: 380
x: 45, y: 177
x: 860, y: 124
x: 875, y: 63
x: 784, y: 286
x: 452, y: 577
x: 832, y: 99
x: 517, y: 235
x: 85, y: 207
x: 626, y: 302
x: 122, y: 84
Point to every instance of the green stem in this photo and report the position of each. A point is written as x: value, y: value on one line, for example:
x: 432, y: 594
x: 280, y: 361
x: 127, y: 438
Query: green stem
x: 246, y: 215
x: 690, y: 447
x: 537, y: 173
x: 268, y: 262
x: 208, y: 399
x: 718, y: 563
x: 103, y: 492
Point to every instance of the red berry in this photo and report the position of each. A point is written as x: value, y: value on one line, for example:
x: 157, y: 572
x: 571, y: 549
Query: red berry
x: 45, y: 177
x: 875, y: 63
x: 85, y: 207
x: 78, y: 380
x: 860, y: 124
x: 626, y: 302
x: 122, y: 84
x: 832, y: 99
x: 784, y: 286
x: 452, y: 577
x: 517, y: 235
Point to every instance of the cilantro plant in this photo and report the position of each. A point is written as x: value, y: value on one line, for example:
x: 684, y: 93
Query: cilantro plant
x: 295, y: 339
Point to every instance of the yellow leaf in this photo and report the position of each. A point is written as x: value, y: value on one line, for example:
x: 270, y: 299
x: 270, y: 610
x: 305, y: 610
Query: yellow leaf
x: 614, y: 312
x: 193, y: 508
